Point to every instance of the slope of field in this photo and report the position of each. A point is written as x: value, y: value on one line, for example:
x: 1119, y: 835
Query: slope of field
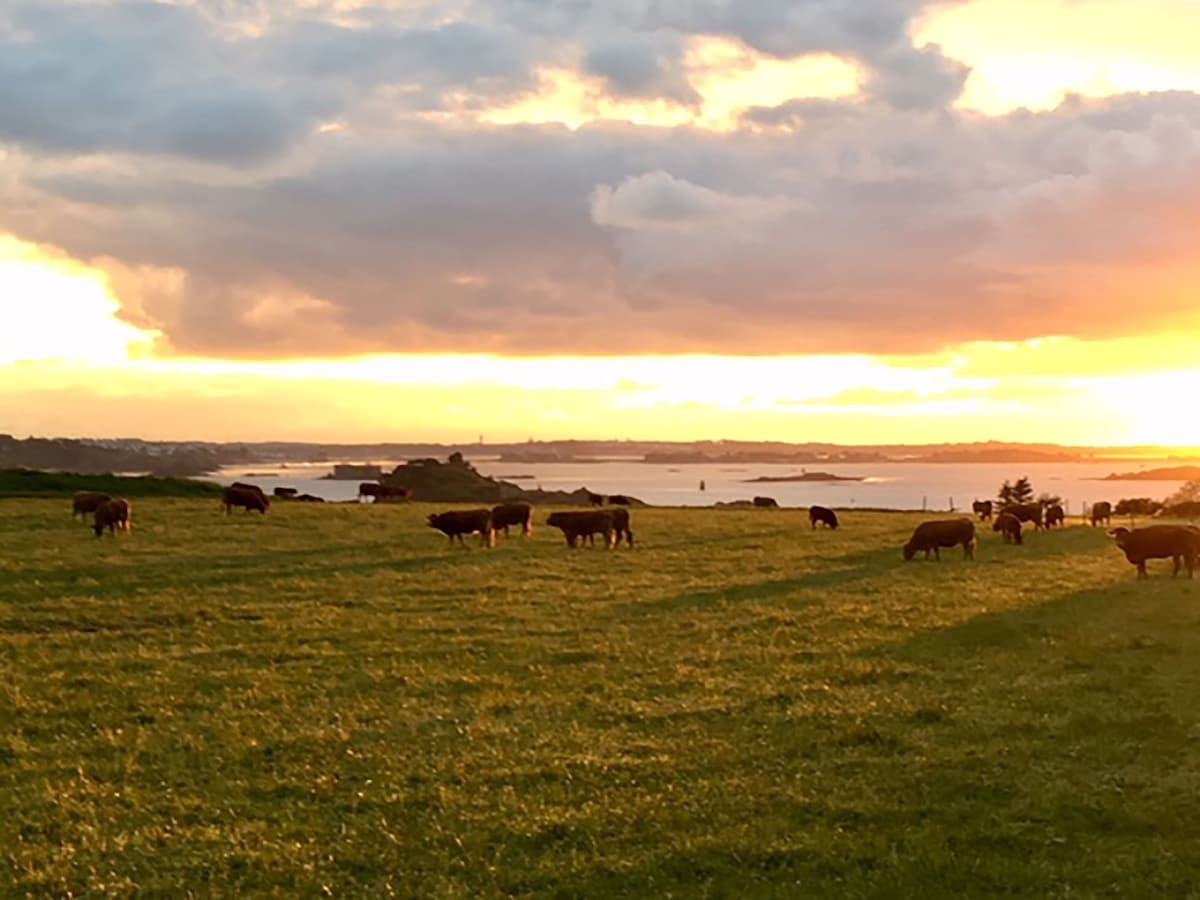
x: 332, y: 700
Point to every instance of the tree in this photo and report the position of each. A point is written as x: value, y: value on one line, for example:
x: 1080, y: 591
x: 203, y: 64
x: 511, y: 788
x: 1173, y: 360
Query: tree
x: 1014, y: 494
x: 1189, y: 493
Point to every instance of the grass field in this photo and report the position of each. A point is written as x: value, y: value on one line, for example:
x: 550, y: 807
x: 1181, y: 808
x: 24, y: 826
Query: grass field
x: 332, y: 701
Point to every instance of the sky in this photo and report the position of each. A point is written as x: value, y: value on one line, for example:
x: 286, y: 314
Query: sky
x: 832, y: 220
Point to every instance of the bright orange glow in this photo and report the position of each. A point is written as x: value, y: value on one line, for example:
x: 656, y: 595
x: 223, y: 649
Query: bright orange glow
x: 69, y: 366
x: 1032, y: 52
x: 56, y: 309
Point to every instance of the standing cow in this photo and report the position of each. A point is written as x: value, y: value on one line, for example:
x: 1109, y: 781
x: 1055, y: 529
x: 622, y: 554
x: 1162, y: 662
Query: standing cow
x: 1101, y: 512
x: 1055, y: 515
x: 983, y: 509
x: 113, y: 514
x: 507, y: 514
x: 766, y: 502
x: 246, y: 496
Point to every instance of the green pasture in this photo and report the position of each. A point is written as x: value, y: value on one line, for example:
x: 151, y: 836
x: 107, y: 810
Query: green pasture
x: 331, y: 701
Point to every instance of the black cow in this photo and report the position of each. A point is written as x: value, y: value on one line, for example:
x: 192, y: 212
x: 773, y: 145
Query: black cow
x: 1101, y: 512
x: 1055, y: 515
x: 983, y: 509
x: 1027, y: 512
x: 823, y: 515
x: 456, y: 523
x: 766, y: 502
x: 246, y: 496
x: 931, y: 536
x: 507, y: 514
x: 575, y: 525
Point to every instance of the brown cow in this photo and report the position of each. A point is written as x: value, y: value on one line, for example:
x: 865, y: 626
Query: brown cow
x: 1055, y: 515
x: 113, y: 514
x: 595, y: 499
x: 930, y: 536
x: 1010, y: 526
x: 246, y: 496
x: 983, y: 509
x: 507, y: 514
x: 86, y: 502
x: 766, y: 502
x: 457, y: 522
x: 1101, y: 512
x: 621, y: 527
x: 285, y: 493
x: 575, y: 525
x: 1175, y: 542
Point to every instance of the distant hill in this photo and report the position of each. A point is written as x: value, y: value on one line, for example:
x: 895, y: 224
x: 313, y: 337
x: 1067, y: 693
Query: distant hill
x: 1171, y: 473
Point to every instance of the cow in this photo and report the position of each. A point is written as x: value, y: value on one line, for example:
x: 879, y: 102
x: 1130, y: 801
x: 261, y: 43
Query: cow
x: 248, y: 487
x: 595, y: 499
x: 1101, y: 512
x: 309, y: 498
x: 619, y: 500
x: 507, y: 514
x: 766, y: 502
x: 85, y: 502
x: 1055, y: 515
x: 112, y: 514
x: 823, y: 515
x: 384, y: 493
x: 285, y: 493
x: 983, y: 509
x: 1176, y: 542
x: 1027, y: 512
x: 930, y: 536
x: 621, y: 527
x: 457, y: 522
x: 1009, y: 526
x: 246, y: 496
x: 575, y: 525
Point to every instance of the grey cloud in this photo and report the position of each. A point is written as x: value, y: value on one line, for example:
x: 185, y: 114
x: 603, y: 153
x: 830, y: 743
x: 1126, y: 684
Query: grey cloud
x: 641, y: 65
x: 888, y: 221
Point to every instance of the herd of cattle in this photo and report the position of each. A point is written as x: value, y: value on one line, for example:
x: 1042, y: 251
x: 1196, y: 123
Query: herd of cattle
x: 1179, y: 543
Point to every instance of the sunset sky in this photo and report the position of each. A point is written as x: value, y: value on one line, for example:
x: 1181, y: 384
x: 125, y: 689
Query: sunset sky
x: 837, y: 220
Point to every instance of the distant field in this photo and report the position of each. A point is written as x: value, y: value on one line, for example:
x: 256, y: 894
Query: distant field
x: 33, y: 483
x: 331, y: 700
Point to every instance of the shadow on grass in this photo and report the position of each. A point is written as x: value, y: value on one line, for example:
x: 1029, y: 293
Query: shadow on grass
x: 844, y: 570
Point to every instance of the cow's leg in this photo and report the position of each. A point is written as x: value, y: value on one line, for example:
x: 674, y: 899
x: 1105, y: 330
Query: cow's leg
x: 1141, y: 568
x: 937, y: 553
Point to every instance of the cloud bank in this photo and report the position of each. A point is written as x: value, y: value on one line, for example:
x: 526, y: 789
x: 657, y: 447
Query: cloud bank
x: 270, y: 179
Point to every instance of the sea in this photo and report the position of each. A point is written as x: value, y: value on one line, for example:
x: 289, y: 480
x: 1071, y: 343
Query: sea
x: 892, y: 485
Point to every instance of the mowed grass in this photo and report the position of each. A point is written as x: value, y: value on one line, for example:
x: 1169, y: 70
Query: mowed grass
x: 330, y: 700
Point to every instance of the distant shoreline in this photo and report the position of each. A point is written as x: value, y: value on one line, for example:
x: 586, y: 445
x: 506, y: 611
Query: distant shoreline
x: 807, y: 476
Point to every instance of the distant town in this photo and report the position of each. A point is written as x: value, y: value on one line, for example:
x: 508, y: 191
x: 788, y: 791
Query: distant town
x: 198, y: 458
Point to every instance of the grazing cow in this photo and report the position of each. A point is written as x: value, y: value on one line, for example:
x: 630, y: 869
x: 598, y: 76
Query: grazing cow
x: 507, y: 514
x: 285, y: 493
x: 1055, y: 515
x: 930, y: 536
x: 575, y: 525
x: 619, y: 500
x: 1176, y: 542
x: 1101, y: 512
x: 1027, y: 512
x: 825, y: 516
x: 1009, y: 526
x: 983, y: 509
x: 87, y: 502
x: 248, y: 487
x: 766, y: 502
x: 456, y: 523
x: 309, y: 498
x: 595, y: 499
x: 113, y: 514
x: 246, y: 496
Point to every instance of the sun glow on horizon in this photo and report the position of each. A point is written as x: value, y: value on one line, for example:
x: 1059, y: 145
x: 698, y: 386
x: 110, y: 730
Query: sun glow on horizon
x: 67, y: 357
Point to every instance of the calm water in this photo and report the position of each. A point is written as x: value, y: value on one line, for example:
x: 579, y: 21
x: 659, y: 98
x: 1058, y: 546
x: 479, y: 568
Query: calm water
x: 887, y: 485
